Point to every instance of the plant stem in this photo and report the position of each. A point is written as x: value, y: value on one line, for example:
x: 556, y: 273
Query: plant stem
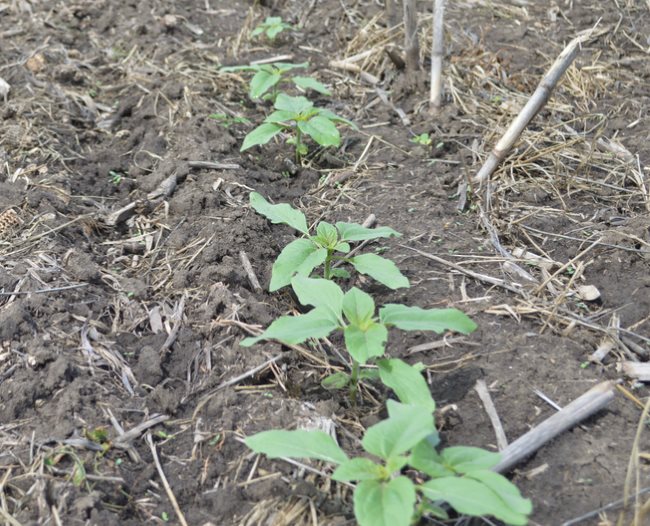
x: 354, y: 382
x: 298, y: 143
x: 327, y: 273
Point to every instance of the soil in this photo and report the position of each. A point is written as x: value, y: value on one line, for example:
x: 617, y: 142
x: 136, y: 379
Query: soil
x: 123, y: 295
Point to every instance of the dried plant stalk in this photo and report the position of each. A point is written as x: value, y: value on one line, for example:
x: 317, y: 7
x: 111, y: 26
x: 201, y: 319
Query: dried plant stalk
x: 391, y: 13
x: 437, y: 52
x: 582, y: 407
x: 534, y: 104
x: 411, y: 45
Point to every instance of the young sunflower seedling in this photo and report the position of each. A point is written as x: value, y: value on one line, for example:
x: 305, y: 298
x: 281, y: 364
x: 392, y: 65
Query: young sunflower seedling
x: 299, y: 117
x: 268, y: 78
x: 407, y: 439
x: 353, y: 313
x: 329, y: 245
x: 271, y: 27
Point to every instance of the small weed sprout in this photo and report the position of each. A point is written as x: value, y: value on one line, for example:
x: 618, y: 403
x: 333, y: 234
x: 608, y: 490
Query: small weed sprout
x: 328, y: 246
x: 298, y: 116
x: 268, y: 78
x: 423, y: 139
x: 353, y: 313
x: 271, y: 27
x: 460, y: 476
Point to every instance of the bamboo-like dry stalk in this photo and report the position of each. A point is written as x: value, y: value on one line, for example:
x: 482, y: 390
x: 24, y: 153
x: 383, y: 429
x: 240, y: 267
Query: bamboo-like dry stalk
x: 582, y: 407
x: 391, y: 13
x: 437, y: 52
x: 411, y: 44
x: 535, y: 103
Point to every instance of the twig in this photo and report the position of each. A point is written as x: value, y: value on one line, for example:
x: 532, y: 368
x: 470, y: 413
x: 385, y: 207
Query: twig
x: 532, y: 107
x: 178, y: 319
x: 163, y: 478
x: 250, y: 273
x: 582, y: 407
x: 491, y: 410
x: 411, y: 44
x: 437, y: 52
x: 213, y: 166
x: 125, y: 439
x: 44, y: 291
x: 606, y: 507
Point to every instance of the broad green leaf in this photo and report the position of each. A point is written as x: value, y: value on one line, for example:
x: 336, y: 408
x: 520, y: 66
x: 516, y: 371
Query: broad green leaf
x: 296, y: 329
x: 322, y: 130
x: 363, y: 344
x: 295, y: 105
x: 369, y: 374
x: 311, y: 83
x: 406, y: 381
x: 399, y: 433
x: 507, y: 491
x: 342, y: 247
x: 358, y: 306
x: 435, y: 511
x: 359, y: 469
x: 426, y: 459
x: 283, y: 67
x: 339, y: 273
x: 282, y: 213
x: 335, y: 118
x: 321, y: 293
x: 326, y: 235
x: 470, y: 497
x: 297, y: 444
x: 464, y: 459
x: 354, y: 232
x: 261, y: 82
x: 384, y: 503
x: 280, y: 117
x: 338, y: 380
x: 257, y: 31
x: 297, y: 256
x: 380, y: 269
x: 275, y: 30
x: 260, y: 135
x: 396, y: 463
x: 417, y: 319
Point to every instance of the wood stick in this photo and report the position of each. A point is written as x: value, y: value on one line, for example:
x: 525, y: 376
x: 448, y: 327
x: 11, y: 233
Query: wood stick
x: 483, y: 393
x: 532, y: 107
x: 437, y: 52
x: 582, y: 407
x: 250, y: 273
x: 411, y: 44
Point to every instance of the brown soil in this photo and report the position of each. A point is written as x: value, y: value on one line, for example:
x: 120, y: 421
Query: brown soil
x: 108, y: 319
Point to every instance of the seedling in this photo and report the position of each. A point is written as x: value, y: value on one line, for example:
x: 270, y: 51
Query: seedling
x: 271, y: 27
x: 298, y: 116
x: 423, y: 139
x: 460, y: 476
x: 328, y: 246
x: 353, y: 313
x: 268, y: 78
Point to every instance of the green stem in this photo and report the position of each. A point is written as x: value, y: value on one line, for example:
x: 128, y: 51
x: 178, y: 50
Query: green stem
x: 354, y: 381
x: 327, y: 273
x: 298, y: 143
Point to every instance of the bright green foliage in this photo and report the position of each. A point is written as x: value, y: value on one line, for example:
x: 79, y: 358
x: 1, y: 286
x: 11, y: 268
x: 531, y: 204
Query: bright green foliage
x: 424, y: 139
x: 383, y: 496
x: 327, y: 246
x: 268, y: 78
x: 298, y: 116
x: 271, y: 27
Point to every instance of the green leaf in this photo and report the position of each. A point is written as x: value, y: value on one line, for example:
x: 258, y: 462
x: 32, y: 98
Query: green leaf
x: 283, y: 67
x: 369, y: 374
x: 380, y: 269
x: 384, y: 503
x: 335, y: 118
x: 326, y: 235
x: 274, y: 31
x: 342, y: 247
x: 366, y: 343
x: 464, y: 459
x: 321, y: 293
x: 338, y: 380
x: 282, y: 117
x: 291, y: 330
x: 295, y: 105
x: 311, y: 83
x: 406, y: 381
x: 340, y: 273
x: 261, y: 82
x: 297, y: 444
x: 358, y: 306
x: 260, y: 135
x: 282, y: 213
x: 470, y: 497
x: 301, y: 256
x: 507, y: 491
x: 355, y: 232
x: 426, y: 459
x: 399, y: 433
x: 322, y: 130
x: 359, y: 469
x: 417, y: 319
